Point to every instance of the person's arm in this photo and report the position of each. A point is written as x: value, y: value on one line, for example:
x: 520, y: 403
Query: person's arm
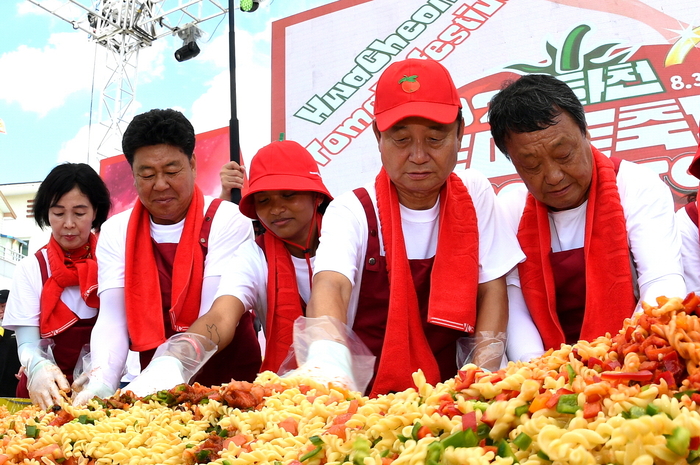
x: 220, y: 322
x: 330, y: 296
x: 524, y: 340
x: 652, y: 233
x: 491, y: 324
x: 232, y: 176
x: 109, y: 347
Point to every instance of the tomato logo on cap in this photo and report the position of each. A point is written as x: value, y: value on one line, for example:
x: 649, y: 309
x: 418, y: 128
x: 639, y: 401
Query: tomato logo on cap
x: 409, y: 84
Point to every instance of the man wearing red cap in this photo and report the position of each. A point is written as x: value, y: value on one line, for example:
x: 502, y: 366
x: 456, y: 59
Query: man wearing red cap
x: 160, y: 263
x: 415, y: 261
x: 598, y: 232
x: 687, y: 218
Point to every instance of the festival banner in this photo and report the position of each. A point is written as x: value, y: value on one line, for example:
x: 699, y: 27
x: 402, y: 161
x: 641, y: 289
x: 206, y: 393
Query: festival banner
x: 635, y: 65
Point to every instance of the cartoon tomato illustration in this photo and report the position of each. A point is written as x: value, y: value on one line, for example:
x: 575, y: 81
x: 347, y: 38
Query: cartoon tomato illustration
x: 409, y: 84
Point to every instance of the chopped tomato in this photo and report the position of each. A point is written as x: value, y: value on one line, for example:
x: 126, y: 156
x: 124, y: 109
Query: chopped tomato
x: 654, y: 340
x: 648, y: 365
x: 591, y: 409
x: 666, y: 376
x: 487, y: 449
x: 337, y: 430
x: 387, y: 460
x: 629, y: 348
x: 354, y: 405
x: 239, y: 439
x: 303, y: 388
x: 448, y: 407
x: 290, y: 425
x: 487, y: 420
x: 657, y: 353
x: 695, y: 397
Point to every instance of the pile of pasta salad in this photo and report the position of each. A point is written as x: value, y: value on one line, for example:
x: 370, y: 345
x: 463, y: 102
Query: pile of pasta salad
x: 628, y: 399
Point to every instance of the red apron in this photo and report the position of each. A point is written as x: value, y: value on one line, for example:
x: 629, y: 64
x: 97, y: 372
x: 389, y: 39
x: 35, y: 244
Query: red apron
x: 240, y: 360
x: 373, y: 304
x: 569, y: 269
x: 69, y: 342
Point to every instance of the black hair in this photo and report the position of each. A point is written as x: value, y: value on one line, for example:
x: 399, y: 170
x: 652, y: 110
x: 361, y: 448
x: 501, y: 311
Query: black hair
x: 158, y: 127
x: 531, y: 103
x: 61, y: 180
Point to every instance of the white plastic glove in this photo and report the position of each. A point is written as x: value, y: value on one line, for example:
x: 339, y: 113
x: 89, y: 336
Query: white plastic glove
x: 176, y: 361
x: 44, y: 378
x: 485, y: 349
x: 327, y: 350
x: 327, y: 362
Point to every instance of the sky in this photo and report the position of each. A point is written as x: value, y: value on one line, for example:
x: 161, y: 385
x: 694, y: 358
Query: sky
x: 51, y: 79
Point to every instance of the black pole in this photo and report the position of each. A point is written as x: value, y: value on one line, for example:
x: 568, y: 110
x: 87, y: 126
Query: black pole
x: 234, y: 141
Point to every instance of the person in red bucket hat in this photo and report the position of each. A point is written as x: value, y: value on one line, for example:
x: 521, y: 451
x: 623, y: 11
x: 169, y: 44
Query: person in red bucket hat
x: 271, y: 275
x: 687, y: 220
x: 415, y: 261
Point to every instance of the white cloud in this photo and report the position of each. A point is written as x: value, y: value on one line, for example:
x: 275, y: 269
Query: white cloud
x: 41, y: 80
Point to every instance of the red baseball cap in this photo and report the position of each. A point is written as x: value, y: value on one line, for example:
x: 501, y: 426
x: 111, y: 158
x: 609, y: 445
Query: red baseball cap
x: 415, y: 87
x: 694, y: 168
x: 282, y: 166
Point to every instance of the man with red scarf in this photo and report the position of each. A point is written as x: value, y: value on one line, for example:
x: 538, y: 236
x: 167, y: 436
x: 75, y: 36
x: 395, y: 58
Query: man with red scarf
x: 160, y: 263
x: 414, y: 261
x: 598, y: 232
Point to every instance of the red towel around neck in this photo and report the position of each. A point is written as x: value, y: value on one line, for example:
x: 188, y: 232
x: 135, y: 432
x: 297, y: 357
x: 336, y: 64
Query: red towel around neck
x: 453, y: 283
x: 144, y: 308
x: 79, y: 270
x: 283, y: 302
x: 609, y: 289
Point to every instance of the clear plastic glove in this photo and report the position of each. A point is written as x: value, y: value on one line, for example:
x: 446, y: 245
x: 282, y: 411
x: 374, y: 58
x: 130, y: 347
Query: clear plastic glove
x: 485, y: 349
x: 88, y: 386
x: 44, y: 378
x: 44, y: 383
x: 329, y: 351
x: 176, y: 361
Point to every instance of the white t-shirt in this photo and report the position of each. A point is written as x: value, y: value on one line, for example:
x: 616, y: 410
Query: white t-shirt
x: 652, y: 236
x: 245, y: 278
x: 23, y: 303
x: 110, y: 337
x: 344, y: 234
x: 690, y: 250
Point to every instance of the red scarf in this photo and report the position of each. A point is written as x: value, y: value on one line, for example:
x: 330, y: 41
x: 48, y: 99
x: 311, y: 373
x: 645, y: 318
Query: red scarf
x: 80, y: 270
x: 454, y: 279
x: 144, y: 307
x: 609, y: 290
x: 283, y: 302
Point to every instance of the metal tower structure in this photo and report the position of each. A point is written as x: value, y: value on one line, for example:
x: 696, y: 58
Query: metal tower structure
x: 123, y: 27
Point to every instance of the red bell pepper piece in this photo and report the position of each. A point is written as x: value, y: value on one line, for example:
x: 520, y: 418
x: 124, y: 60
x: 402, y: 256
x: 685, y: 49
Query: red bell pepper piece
x: 667, y: 376
x: 611, y: 365
x: 554, y: 400
x: 649, y: 365
x: 658, y: 353
x: 621, y: 376
x: 694, y: 443
x: 469, y: 421
x: 465, y: 378
x: 594, y: 362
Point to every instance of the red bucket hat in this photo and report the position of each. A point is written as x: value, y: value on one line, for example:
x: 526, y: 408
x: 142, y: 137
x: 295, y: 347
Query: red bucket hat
x: 415, y: 87
x: 283, y: 165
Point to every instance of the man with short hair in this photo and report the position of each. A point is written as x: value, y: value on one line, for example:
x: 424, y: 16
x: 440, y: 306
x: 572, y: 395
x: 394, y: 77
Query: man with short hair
x: 598, y: 232
x: 415, y: 261
x: 160, y: 263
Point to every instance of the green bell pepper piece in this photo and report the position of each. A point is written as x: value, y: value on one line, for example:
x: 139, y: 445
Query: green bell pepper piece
x: 568, y: 403
x: 523, y: 441
x: 679, y: 441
